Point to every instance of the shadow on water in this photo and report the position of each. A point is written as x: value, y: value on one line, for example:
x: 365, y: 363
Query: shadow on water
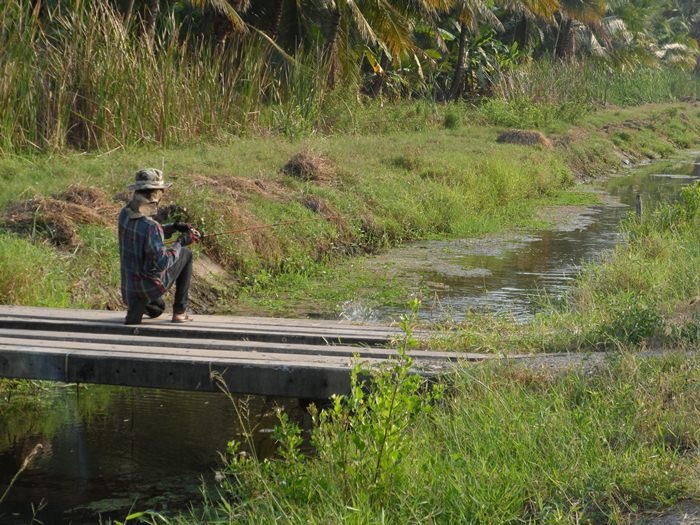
x: 107, y: 450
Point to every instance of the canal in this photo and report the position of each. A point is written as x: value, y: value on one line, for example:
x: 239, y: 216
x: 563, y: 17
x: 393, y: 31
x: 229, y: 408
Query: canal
x: 105, y: 451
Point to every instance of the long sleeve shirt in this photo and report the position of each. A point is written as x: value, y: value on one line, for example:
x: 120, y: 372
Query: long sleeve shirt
x: 144, y: 257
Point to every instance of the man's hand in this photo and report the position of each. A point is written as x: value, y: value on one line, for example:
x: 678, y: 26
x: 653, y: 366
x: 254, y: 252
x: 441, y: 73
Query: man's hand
x: 182, y: 227
x: 189, y: 237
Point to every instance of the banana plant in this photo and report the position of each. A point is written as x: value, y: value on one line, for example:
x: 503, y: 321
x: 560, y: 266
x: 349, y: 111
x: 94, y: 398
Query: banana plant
x: 374, y: 22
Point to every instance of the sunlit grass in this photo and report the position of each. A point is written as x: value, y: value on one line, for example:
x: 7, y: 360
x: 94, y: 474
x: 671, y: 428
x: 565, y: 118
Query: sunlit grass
x: 506, y: 444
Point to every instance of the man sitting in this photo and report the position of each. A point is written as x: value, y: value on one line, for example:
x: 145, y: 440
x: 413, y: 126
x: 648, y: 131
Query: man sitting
x: 148, y: 268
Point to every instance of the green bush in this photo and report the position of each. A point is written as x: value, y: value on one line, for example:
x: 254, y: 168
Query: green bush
x: 630, y: 320
x: 32, y: 274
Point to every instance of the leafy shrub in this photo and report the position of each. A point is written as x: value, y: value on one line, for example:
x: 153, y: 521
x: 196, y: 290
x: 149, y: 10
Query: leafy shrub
x: 630, y: 320
x: 32, y: 274
x: 452, y: 120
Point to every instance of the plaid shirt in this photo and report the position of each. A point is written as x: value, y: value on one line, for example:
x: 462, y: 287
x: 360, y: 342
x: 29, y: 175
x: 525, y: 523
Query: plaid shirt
x: 144, y: 257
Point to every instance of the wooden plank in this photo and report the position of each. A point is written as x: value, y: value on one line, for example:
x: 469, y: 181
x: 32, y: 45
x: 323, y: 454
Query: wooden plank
x: 280, y: 357
x: 214, y: 344
x: 204, y: 320
x: 218, y: 326
x: 101, y: 350
x: 106, y: 351
x: 188, y: 369
x: 175, y: 373
x: 191, y: 331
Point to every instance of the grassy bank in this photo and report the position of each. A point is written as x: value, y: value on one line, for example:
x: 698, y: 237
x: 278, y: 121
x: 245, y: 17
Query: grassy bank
x: 645, y: 295
x: 357, y: 194
x: 506, y: 445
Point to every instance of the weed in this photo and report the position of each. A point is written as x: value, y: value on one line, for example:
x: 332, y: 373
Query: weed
x: 452, y: 120
x: 630, y: 320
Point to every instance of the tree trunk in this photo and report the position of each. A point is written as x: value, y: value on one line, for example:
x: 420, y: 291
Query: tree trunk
x: 457, y: 86
x: 379, y: 78
x: 564, y: 40
x: 152, y: 18
x: 521, y: 32
x: 276, y: 19
x: 331, y: 48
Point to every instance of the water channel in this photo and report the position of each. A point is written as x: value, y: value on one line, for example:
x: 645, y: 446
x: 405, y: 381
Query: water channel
x: 513, y: 274
x: 106, y: 450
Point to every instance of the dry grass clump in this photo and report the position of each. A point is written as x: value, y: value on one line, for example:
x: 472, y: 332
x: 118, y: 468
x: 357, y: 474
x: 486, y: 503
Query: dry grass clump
x: 253, y: 241
x: 57, y: 217
x: 318, y: 205
x: 238, y: 187
x: 308, y: 165
x: 525, y: 137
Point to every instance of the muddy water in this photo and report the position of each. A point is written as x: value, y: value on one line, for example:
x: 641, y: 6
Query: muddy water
x: 106, y: 450
x: 518, y: 273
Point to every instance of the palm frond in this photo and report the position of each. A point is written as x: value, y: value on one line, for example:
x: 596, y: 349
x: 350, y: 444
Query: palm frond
x: 471, y: 12
x: 362, y: 24
x: 223, y: 7
x: 586, y: 11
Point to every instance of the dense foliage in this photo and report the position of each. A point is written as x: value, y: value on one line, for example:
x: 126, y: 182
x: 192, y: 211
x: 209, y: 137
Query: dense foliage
x: 101, y: 75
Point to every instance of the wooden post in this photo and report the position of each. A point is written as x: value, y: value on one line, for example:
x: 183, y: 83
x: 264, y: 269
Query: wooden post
x: 639, y: 206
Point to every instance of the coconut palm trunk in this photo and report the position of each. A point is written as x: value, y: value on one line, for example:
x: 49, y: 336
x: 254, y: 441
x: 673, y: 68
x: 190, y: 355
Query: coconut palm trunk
x: 380, y: 77
x: 331, y: 48
x: 521, y: 32
x: 564, y: 43
x: 276, y: 19
x: 457, y: 86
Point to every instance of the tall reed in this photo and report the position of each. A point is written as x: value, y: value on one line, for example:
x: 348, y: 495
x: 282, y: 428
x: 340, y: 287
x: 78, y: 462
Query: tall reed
x: 571, y: 88
x: 83, y: 78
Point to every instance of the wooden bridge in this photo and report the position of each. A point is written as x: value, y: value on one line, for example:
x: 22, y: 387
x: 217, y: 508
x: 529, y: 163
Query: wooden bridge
x: 253, y: 355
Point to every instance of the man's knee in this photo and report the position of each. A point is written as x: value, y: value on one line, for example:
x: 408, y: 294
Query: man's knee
x: 135, y: 312
x: 155, y: 308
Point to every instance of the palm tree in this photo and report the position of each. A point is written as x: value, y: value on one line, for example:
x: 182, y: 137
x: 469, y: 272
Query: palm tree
x: 426, y: 12
x: 528, y: 11
x: 375, y: 22
x: 585, y: 11
x: 153, y: 10
x: 469, y: 14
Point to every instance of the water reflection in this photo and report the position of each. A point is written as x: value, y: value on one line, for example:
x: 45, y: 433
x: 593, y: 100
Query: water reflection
x: 111, y: 448
x: 514, y: 274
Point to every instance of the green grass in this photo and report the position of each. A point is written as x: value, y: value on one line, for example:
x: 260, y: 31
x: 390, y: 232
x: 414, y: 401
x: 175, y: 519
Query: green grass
x: 505, y: 444
x: 435, y: 183
x: 37, y: 274
x: 33, y: 273
x: 83, y: 79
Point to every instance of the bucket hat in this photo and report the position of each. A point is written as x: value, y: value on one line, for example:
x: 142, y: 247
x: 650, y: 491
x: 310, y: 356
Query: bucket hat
x: 149, y: 179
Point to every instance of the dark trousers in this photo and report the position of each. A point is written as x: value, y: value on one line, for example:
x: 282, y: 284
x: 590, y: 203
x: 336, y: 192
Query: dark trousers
x: 180, y: 273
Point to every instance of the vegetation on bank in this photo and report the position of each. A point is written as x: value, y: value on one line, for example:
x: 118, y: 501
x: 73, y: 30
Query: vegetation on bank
x: 90, y: 75
x: 438, y: 182
x: 503, y: 444
x: 645, y: 295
